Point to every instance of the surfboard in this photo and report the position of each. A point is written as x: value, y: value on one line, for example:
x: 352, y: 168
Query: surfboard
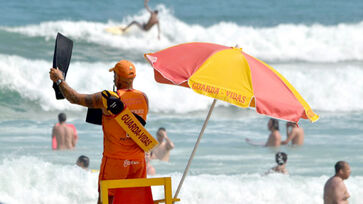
x: 116, y: 30
x: 61, y: 59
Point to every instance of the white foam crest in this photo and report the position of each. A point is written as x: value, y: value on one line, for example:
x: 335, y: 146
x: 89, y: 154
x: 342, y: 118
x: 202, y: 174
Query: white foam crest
x: 285, y: 42
x: 30, y: 78
x: 256, y: 189
x: 327, y: 87
x: 32, y: 180
x: 94, y: 32
x: 340, y: 89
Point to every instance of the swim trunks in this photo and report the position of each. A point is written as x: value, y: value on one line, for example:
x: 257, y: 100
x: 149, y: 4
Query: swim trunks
x: 121, y: 169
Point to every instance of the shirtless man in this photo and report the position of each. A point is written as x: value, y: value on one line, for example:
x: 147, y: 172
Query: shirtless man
x: 63, y: 133
x: 335, y: 190
x: 162, y: 151
x: 294, y: 134
x: 150, y: 23
x: 274, y: 138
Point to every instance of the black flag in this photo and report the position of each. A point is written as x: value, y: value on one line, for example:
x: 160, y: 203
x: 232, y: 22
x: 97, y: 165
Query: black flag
x: 61, y: 59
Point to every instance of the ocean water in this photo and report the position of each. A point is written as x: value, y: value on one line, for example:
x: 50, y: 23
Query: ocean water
x: 316, y: 45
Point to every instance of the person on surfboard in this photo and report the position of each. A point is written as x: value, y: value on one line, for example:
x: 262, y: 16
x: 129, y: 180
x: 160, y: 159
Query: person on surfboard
x: 150, y: 23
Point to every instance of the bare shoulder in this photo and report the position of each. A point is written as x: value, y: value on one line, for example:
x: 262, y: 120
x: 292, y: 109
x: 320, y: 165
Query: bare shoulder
x: 335, y: 182
x: 56, y: 127
x: 328, y: 185
x: 276, y: 134
x: 68, y: 127
x: 336, y: 179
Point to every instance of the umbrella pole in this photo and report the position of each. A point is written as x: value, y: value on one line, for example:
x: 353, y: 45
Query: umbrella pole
x: 195, y: 148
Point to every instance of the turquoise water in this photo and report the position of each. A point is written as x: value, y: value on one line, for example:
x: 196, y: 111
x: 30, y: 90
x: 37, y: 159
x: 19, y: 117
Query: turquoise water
x: 317, y: 46
x: 260, y: 13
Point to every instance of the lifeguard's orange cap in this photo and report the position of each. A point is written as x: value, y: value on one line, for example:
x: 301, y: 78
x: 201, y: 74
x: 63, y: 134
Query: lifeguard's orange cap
x: 124, y: 69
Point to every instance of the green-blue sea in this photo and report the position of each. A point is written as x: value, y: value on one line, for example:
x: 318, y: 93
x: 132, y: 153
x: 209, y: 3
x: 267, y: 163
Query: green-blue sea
x: 316, y: 45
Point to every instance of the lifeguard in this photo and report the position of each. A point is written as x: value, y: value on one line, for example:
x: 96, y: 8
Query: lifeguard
x: 122, y: 157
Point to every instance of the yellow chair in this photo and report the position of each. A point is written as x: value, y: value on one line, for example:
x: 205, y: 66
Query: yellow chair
x: 129, y: 183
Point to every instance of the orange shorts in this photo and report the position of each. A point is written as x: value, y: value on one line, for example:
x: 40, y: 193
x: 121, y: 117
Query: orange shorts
x: 121, y: 169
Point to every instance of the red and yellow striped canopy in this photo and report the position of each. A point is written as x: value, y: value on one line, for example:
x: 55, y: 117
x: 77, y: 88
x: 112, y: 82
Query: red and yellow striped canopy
x: 230, y: 75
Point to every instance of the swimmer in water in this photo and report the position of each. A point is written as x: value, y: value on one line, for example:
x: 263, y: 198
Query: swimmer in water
x: 83, y: 162
x: 274, y: 139
x: 294, y: 133
x: 281, y: 159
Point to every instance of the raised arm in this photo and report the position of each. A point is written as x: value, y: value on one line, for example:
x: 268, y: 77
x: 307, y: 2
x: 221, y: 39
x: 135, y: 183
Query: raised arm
x: 147, y: 7
x: 288, y: 139
x: 169, y: 143
x: 289, y: 134
x: 87, y: 100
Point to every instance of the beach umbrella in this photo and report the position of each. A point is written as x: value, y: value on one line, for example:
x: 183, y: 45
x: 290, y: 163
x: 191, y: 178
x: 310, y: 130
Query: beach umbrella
x: 229, y: 74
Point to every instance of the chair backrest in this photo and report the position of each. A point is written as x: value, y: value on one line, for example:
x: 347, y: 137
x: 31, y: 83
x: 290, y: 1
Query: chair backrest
x: 142, y: 182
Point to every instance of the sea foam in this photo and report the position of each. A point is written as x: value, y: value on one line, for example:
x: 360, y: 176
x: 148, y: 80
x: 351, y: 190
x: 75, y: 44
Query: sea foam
x: 339, y: 91
x: 32, y: 180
